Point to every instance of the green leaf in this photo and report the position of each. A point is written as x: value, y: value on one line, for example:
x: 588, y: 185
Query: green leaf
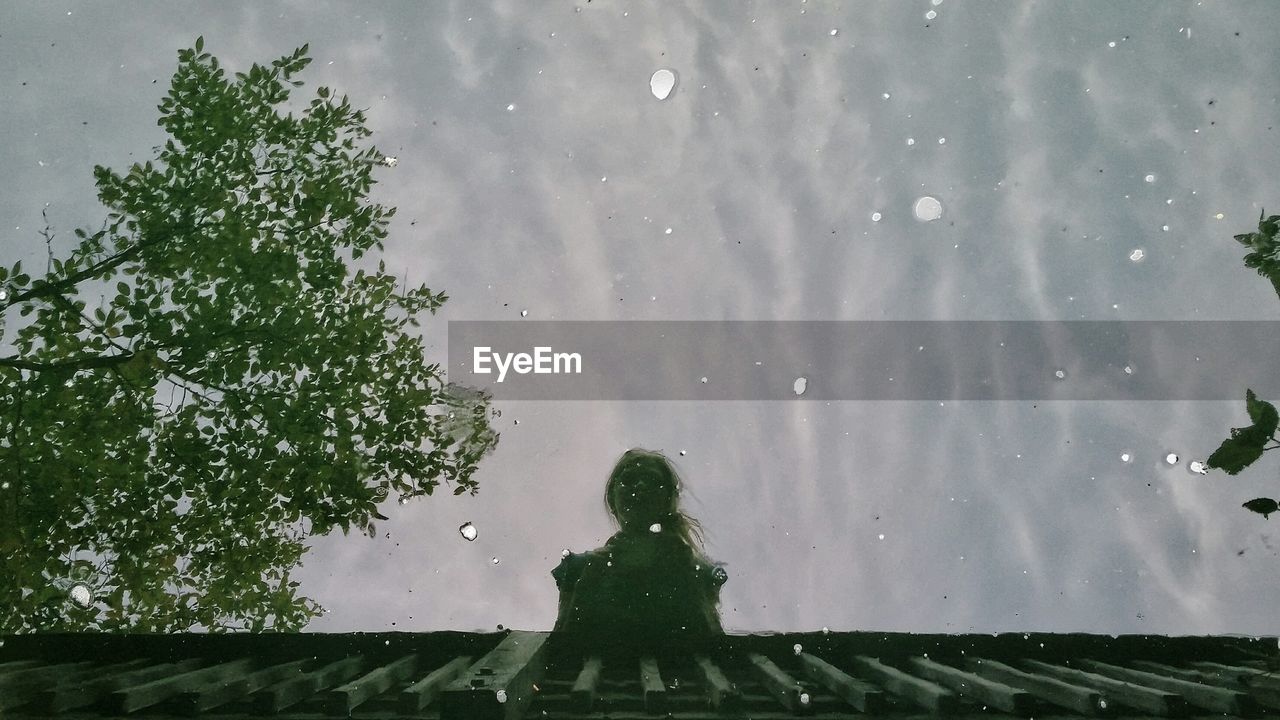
x: 200, y: 43
x: 1263, y: 414
x: 1262, y: 506
x: 1246, y: 444
x: 1234, y: 455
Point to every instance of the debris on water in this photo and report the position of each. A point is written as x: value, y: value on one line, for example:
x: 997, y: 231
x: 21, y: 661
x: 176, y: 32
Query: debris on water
x: 468, y: 531
x: 800, y: 385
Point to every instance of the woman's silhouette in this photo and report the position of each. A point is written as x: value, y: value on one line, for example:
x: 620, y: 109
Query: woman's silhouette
x: 651, y: 580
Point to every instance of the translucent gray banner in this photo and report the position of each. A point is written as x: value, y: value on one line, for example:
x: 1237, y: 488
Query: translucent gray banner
x: 866, y: 360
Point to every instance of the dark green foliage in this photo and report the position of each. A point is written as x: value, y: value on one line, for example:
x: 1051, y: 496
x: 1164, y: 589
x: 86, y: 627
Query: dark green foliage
x: 238, y: 388
x: 1246, y: 444
x: 1265, y: 247
x: 1262, y: 506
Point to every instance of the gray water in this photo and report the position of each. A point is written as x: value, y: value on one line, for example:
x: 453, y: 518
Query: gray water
x: 538, y: 176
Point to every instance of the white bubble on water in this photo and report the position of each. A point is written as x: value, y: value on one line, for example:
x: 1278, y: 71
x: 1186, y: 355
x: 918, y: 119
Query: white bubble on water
x: 1060, y: 374
x: 875, y: 217
x: 1137, y: 255
x: 668, y: 231
x: 911, y: 141
x: 927, y: 209
x: 468, y: 531
x: 800, y: 385
x: 881, y: 536
x: 511, y: 107
x: 661, y: 83
x: 834, y: 32
x: 655, y: 528
x: 1197, y: 467
x: 931, y: 15
x: 797, y: 648
x: 1171, y: 458
x: 500, y: 696
x: 495, y: 560
x: 1150, y: 177
x: 524, y: 313
x: 1126, y: 457
x: 80, y: 595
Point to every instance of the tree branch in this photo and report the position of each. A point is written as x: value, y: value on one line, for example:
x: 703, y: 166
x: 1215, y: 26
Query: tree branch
x: 82, y: 363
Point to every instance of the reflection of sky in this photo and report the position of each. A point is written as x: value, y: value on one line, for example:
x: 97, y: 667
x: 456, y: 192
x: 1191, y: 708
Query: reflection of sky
x: 767, y: 162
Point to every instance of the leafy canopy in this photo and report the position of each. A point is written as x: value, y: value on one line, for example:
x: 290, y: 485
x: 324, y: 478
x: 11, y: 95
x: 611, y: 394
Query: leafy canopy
x: 236, y: 389
x: 1265, y: 248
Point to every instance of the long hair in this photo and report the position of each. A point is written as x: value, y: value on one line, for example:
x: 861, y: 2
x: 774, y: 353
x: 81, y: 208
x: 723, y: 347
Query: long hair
x: 687, y: 529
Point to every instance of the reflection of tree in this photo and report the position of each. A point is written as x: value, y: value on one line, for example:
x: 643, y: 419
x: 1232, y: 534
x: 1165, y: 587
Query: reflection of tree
x: 1245, y: 445
x: 164, y: 457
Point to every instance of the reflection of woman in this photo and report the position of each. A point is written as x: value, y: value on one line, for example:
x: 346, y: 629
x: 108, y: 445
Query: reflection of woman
x: 650, y: 580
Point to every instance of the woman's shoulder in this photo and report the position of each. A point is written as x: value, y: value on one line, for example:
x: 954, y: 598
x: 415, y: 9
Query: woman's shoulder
x: 571, y: 566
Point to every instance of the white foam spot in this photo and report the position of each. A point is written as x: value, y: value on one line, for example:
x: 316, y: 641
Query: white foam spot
x: 927, y: 209
x: 80, y: 595
x: 661, y: 83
